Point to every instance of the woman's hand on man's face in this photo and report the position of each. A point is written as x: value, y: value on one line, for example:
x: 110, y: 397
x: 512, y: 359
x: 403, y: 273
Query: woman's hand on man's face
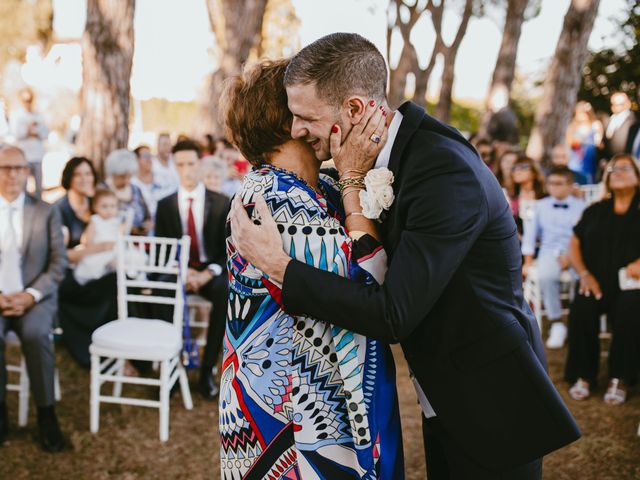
x: 360, y: 148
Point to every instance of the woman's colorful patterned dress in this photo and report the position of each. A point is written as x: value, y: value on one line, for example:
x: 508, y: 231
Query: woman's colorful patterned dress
x: 301, y: 399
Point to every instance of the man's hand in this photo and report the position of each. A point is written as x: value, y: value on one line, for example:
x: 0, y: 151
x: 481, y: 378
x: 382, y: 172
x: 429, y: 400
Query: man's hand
x: 196, y: 280
x: 18, y: 304
x: 259, y: 243
x: 358, y: 151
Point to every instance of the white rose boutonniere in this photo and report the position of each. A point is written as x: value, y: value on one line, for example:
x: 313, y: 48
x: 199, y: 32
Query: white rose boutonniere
x: 378, y: 195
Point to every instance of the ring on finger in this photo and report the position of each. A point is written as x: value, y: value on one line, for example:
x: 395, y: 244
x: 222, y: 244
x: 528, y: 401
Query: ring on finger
x: 375, y: 138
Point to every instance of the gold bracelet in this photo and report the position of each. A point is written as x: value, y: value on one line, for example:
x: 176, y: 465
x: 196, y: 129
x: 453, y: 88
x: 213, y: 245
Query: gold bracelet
x: 351, y: 182
x: 346, y: 193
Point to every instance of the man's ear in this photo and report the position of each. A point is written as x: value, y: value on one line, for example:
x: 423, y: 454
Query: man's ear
x: 355, y: 107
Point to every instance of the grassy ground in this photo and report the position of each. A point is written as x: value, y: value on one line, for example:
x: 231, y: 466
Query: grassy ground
x: 127, y: 446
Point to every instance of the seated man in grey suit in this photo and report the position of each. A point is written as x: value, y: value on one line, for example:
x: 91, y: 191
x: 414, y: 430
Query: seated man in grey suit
x: 32, y: 263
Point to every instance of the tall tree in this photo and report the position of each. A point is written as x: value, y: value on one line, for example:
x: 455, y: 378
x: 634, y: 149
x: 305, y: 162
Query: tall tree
x: 23, y: 24
x: 615, y: 69
x: 279, y: 30
x: 449, y: 53
x: 107, y: 57
x: 403, y: 17
x: 237, y: 27
x: 505, y: 69
x: 563, y: 79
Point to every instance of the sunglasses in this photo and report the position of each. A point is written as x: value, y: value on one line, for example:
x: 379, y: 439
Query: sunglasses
x: 521, y: 166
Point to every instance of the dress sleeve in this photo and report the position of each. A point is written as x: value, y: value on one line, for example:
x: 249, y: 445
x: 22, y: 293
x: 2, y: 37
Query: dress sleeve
x: 583, y: 224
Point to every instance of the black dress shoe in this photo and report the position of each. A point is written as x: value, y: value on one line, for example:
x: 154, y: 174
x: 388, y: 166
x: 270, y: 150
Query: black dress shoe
x: 208, y: 386
x: 51, y: 439
x: 4, y: 422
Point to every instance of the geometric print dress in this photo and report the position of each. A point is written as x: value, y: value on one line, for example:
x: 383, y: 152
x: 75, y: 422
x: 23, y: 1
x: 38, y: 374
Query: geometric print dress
x: 300, y: 398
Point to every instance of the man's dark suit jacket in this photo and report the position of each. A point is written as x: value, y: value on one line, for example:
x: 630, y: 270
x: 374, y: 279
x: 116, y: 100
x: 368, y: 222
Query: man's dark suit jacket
x: 216, y: 208
x: 453, y: 297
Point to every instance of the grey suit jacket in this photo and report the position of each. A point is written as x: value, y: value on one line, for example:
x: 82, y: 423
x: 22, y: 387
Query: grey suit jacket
x: 44, y: 256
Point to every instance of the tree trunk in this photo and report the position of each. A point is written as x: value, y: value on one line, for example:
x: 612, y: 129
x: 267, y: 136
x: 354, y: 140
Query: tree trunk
x: 237, y: 27
x: 107, y: 57
x: 504, y: 71
x: 443, y: 109
x: 563, y: 79
x: 398, y: 76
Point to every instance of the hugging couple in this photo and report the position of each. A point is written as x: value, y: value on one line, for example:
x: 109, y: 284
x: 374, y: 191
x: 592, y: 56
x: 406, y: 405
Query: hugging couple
x: 408, y: 240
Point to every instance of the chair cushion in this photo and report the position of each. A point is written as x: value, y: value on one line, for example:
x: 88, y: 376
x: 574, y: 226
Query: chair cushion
x: 139, y: 338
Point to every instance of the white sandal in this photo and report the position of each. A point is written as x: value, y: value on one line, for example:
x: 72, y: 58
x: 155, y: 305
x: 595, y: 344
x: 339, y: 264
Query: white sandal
x: 580, y: 390
x: 615, y: 395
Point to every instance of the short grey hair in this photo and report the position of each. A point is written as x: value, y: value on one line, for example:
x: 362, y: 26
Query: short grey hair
x: 121, y: 162
x: 214, y: 162
x: 340, y: 65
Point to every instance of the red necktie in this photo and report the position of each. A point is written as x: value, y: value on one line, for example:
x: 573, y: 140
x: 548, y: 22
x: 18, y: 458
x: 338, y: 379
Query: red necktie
x: 194, y: 248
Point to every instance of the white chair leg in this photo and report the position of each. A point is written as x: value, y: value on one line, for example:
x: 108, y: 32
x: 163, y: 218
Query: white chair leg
x: 57, y: 393
x: 23, y: 395
x: 184, y: 387
x: 117, y: 386
x: 164, y: 400
x: 95, y: 394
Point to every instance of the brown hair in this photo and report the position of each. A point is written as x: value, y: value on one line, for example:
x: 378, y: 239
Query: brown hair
x: 340, y: 65
x: 254, y: 110
x: 616, y: 158
x: 538, y: 176
x: 99, y: 194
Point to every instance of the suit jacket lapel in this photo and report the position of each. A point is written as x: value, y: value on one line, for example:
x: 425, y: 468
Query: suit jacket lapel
x: 175, y: 216
x: 206, y: 228
x: 412, y: 115
x: 28, y: 220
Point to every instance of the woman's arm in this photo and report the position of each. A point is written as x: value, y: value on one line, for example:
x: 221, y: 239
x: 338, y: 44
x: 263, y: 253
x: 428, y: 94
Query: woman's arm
x: 588, y: 283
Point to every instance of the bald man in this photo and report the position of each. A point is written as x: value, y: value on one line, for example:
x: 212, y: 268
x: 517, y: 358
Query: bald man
x: 32, y: 263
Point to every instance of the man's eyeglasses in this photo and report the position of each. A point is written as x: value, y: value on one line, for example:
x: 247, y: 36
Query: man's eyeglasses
x: 13, y: 168
x: 625, y: 169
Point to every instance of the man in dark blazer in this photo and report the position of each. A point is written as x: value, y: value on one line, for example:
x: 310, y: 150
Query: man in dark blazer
x: 453, y: 293
x: 33, y: 260
x: 195, y: 211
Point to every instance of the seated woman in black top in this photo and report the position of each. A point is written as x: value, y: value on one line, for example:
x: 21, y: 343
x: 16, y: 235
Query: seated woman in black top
x: 606, y: 240
x: 82, y: 308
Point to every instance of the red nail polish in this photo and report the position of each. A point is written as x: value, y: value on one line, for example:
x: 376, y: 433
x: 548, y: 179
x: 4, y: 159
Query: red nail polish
x: 334, y: 129
x: 384, y: 113
x: 372, y: 103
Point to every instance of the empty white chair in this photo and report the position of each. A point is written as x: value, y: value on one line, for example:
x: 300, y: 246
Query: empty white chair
x: 22, y: 387
x: 143, y: 339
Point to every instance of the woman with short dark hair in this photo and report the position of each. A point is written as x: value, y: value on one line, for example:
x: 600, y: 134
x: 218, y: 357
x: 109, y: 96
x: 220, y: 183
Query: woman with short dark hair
x: 604, y: 250
x: 82, y: 308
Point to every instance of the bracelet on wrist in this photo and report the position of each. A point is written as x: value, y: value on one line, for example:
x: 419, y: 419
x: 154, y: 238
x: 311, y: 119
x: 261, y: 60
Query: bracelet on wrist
x: 585, y: 274
x: 351, y: 182
x: 349, y: 190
